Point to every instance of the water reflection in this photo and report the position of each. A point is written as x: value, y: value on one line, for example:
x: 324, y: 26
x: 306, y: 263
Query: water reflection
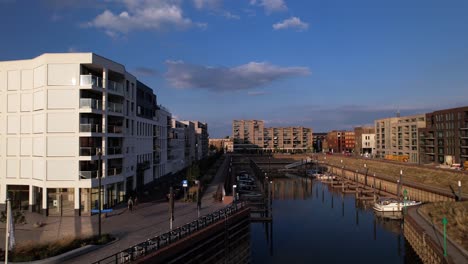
x: 311, y: 229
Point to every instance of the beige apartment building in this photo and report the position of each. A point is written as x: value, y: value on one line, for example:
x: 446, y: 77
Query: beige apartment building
x: 252, y: 134
x: 398, y: 138
x: 66, y: 117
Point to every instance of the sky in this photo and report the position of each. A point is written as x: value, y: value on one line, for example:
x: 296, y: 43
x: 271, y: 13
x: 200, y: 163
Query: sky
x: 330, y: 64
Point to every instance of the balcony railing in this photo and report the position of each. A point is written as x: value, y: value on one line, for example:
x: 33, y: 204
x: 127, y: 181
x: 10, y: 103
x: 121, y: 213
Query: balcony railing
x: 88, y: 128
x: 89, y: 151
x: 114, y: 171
x: 88, y: 174
x: 114, y: 129
x: 86, y: 80
x: 115, y: 107
x: 115, y: 87
x: 90, y: 103
x: 114, y: 150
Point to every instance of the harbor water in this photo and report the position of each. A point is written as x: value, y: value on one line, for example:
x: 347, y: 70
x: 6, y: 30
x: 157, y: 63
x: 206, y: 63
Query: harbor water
x: 312, y: 223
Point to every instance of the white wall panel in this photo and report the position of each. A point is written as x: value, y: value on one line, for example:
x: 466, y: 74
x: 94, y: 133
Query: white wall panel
x: 26, y: 124
x: 13, y: 103
x: 26, y: 146
x: 13, y: 124
x: 3, y: 125
x: 63, y: 74
x: 61, y: 170
x: 39, y: 123
x: 14, y: 80
x: 39, y: 147
x: 62, y: 122
x: 3, y: 81
x: 26, y: 79
x: 39, y: 100
x: 13, y: 146
x: 38, y: 169
x: 12, y: 170
x: 63, y: 99
x: 40, y: 76
x: 26, y: 102
x: 62, y: 146
x: 26, y: 169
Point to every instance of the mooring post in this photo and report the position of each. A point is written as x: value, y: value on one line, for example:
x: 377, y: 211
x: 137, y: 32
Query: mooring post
x: 459, y: 191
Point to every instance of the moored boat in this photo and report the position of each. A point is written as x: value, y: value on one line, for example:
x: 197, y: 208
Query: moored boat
x: 393, y: 205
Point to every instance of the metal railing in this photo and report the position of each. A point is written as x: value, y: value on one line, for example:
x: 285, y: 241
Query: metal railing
x: 158, y: 242
x: 89, y: 151
x: 90, y: 80
x: 114, y: 171
x: 115, y: 87
x: 97, y: 128
x: 114, y: 150
x: 90, y: 103
x: 88, y: 174
x: 114, y: 129
x: 115, y: 107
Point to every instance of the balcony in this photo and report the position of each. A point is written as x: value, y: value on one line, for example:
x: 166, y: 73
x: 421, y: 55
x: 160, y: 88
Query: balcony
x: 90, y: 128
x: 89, y: 151
x: 90, y: 103
x: 115, y: 107
x: 89, y: 174
x: 114, y: 171
x: 90, y: 80
x: 115, y: 87
x: 114, y: 151
x: 114, y: 129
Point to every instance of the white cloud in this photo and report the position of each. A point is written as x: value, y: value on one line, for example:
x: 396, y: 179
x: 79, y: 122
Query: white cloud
x: 156, y: 15
x: 209, y: 4
x: 271, y: 6
x: 248, y: 76
x: 293, y: 22
x: 230, y: 15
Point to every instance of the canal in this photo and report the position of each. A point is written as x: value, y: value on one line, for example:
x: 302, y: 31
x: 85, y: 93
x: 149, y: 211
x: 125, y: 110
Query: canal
x: 312, y: 223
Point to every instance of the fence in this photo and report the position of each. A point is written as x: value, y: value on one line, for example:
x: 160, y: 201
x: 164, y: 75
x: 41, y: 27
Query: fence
x: 156, y: 243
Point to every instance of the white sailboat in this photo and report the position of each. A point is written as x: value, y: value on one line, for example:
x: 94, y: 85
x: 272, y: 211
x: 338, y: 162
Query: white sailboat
x: 393, y: 205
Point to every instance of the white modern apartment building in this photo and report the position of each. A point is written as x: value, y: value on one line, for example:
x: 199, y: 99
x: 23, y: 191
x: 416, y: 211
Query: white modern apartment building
x: 368, y: 143
x: 65, y: 116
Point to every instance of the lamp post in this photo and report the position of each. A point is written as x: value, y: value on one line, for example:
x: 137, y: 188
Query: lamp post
x: 234, y: 193
x: 399, y: 183
x: 459, y: 191
x: 365, y: 178
x: 375, y: 197
x: 99, y: 190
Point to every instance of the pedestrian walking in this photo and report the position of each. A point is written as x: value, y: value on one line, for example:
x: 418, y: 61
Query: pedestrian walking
x: 130, y: 204
x: 136, y: 201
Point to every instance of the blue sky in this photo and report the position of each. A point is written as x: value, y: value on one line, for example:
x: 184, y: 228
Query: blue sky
x: 331, y: 64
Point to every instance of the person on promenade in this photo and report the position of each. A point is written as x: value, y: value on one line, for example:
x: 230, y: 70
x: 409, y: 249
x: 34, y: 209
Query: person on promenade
x: 136, y: 201
x: 130, y: 204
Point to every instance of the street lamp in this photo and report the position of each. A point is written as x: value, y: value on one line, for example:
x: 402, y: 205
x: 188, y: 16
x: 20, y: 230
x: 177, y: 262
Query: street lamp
x: 234, y: 193
x: 399, y: 183
x: 367, y: 169
x: 99, y: 189
x: 459, y: 191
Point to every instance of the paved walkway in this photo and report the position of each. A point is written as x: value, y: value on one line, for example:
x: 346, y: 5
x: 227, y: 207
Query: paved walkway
x: 145, y: 221
x: 452, y: 251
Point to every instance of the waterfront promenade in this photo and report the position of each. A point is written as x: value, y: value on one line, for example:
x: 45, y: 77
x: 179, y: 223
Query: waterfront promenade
x: 145, y: 221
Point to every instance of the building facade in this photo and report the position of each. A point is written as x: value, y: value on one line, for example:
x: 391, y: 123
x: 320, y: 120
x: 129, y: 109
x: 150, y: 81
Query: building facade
x: 397, y: 138
x: 364, y: 139
x: 252, y: 135
x: 444, y: 140
x: 318, y: 140
x: 67, y: 118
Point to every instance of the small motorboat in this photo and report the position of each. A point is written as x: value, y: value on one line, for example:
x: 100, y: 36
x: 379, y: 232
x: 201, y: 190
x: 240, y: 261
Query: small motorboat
x: 393, y: 205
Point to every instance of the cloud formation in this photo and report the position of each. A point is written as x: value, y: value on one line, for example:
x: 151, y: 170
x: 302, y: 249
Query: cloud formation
x: 256, y: 93
x: 143, y: 15
x: 270, y: 6
x: 248, y: 76
x: 291, y: 23
x: 209, y: 4
x: 144, y: 71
